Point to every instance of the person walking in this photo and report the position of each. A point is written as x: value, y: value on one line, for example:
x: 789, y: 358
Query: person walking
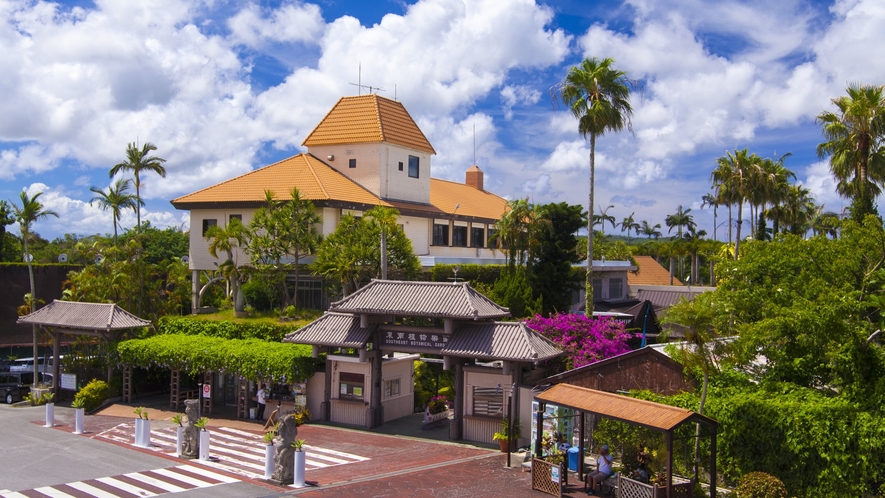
x: 262, y: 402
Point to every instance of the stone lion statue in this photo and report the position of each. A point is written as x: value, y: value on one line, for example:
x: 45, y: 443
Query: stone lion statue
x: 284, y: 466
x: 190, y: 444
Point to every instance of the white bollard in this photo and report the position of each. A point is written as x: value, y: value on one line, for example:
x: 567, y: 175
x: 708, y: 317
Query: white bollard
x: 78, y: 420
x: 139, y: 432
x: 204, y: 445
x: 179, y: 438
x: 298, y: 478
x: 268, y: 461
x: 50, y: 415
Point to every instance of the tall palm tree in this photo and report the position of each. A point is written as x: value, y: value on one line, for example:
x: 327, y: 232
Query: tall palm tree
x: 600, y: 219
x: 680, y: 219
x: 771, y: 180
x: 629, y: 224
x: 227, y: 240
x: 598, y: 96
x: 29, y: 212
x: 649, y: 230
x: 854, y: 144
x: 731, y: 179
x: 710, y: 200
x: 116, y: 199
x: 138, y: 161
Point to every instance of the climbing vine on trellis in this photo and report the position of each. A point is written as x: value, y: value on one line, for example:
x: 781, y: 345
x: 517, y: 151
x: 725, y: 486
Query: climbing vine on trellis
x: 252, y: 358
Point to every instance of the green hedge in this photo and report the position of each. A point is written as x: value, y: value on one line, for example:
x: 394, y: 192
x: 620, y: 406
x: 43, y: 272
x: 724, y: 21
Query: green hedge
x: 225, y: 329
x: 486, y: 274
x: 252, y: 358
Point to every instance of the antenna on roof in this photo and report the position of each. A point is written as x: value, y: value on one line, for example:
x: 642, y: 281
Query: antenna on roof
x: 359, y: 84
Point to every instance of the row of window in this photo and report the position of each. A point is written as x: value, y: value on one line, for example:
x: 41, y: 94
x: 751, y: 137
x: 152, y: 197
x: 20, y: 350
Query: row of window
x: 459, y: 236
x: 615, y: 289
x: 414, y: 166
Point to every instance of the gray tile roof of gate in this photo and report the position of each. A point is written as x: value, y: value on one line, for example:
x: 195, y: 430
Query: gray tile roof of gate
x: 430, y: 299
x: 333, y: 329
x: 509, y: 341
x: 84, y: 316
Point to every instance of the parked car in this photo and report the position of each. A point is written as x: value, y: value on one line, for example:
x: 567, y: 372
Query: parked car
x: 27, y: 365
x: 14, y: 385
x: 4, y: 365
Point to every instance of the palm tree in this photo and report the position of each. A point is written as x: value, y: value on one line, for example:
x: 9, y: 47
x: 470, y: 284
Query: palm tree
x: 680, y: 219
x: 650, y: 231
x: 770, y: 185
x: 598, y: 96
x: 731, y: 180
x: 227, y: 240
x: 600, y: 219
x: 710, y: 200
x: 29, y: 212
x: 854, y: 145
x: 116, y: 199
x: 629, y: 224
x: 138, y: 160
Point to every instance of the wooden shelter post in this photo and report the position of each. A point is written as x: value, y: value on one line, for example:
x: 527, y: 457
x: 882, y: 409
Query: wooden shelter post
x: 713, y: 463
x: 581, y: 446
x: 56, y: 362
x: 669, y: 463
x: 539, y: 417
x: 376, y: 406
x: 327, y: 392
x: 456, y: 429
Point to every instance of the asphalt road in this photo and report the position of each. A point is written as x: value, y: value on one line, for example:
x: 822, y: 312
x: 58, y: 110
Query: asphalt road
x: 34, y: 456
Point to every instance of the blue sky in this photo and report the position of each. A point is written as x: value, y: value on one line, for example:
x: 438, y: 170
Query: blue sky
x: 226, y: 86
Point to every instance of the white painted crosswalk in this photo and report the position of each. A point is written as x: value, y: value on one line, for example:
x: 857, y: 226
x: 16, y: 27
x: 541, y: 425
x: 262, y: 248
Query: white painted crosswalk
x: 144, y: 484
x: 232, y: 450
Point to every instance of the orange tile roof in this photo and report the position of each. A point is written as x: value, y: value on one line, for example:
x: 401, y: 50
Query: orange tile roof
x: 445, y: 195
x: 650, y: 273
x: 316, y: 181
x: 368, y: 119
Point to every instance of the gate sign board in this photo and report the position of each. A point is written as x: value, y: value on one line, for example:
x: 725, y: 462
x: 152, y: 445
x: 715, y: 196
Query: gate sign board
x: 69, y: 381
x: 411, y: 340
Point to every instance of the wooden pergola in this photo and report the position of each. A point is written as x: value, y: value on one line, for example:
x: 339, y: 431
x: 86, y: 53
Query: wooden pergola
x: 648, y: 414
x: 102, y: 320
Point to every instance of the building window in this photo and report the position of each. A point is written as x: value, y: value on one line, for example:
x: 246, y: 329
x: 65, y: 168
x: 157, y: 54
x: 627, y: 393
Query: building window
x: 477, y: 237
x: 615, y: 288
x: 352, y: 163
x: 459, y: 236
x: 440, y: 235
x: 400, y: 165
x: 493, y: 241
x: 597, y: 289
x: 488, y: 402
x: 207, y: 224
x: 413, y: 167
x: 236, y: 217
x: 350, y: 385
x: 391, y: 388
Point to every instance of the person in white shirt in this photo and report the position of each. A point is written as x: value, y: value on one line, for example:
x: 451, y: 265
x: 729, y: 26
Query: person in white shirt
x: 262, y: 403
x: 603, y: 469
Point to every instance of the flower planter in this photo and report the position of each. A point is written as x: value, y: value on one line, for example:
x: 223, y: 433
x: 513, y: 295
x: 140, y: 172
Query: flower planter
x: 268, y: 461
x: 50, y: 415
x: 179, y: 439
x: 502, y: 443
x: 429, y: 418
x: 300, y: 458
x: 204, y: 445
x: 142, y: 432
x: 78, y: 420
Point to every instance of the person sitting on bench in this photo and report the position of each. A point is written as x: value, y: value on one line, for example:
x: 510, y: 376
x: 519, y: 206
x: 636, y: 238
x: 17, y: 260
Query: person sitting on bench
x: 603, y: 469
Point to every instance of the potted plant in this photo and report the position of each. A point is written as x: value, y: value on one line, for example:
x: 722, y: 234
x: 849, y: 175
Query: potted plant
x: 503, y: 436
x: 142, y: 427
x: 201, y: 424
x: 178, y: 418
x: 79, y: 406
x: 269, y: 451
x: 47, y: 398
x: 437, y: 409
x: 300, y: 457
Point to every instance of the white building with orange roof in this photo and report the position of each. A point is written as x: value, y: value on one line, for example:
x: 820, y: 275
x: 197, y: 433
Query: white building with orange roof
x: 366, y: 152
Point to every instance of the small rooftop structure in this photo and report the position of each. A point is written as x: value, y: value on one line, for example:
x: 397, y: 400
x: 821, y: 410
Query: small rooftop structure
x: 83, y: 318
x: 427, y: 299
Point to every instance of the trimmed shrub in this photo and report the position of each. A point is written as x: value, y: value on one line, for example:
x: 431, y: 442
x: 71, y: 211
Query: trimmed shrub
x: 760, y: 485
x: 93, y: 395
x: 261, y: 294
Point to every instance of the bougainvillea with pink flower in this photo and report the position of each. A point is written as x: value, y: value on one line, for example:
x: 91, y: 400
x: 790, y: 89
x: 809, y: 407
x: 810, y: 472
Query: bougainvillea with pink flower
x: 585, y: 339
